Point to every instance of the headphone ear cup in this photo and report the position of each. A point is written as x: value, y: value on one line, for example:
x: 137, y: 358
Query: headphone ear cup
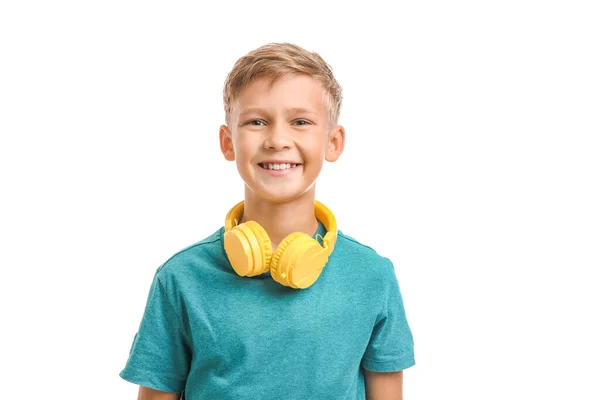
x: 244, y: 249
x: 280, y: 264
x: 306, y: 262
x: 264, y: 246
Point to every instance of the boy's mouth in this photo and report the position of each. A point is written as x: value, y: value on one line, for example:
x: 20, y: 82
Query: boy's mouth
x: 278, y: 166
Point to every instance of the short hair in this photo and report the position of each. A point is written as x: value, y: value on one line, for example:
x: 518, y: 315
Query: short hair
x: 274, y: 60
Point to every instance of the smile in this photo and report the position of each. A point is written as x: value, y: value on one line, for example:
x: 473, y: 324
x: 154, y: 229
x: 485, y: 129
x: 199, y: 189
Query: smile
x: 278, y: 167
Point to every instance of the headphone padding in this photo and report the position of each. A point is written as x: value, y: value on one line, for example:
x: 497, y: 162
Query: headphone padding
x: 266, y: 247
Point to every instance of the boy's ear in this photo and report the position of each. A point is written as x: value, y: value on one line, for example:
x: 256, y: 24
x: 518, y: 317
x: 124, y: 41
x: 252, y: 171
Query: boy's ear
x: 226, y: 143
x: 335, y: 145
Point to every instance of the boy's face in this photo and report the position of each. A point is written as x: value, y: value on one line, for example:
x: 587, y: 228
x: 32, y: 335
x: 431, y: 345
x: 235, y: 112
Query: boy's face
x: 280, y: 136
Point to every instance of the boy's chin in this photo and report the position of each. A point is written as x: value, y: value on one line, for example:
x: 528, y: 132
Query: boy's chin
x: 279, y: 197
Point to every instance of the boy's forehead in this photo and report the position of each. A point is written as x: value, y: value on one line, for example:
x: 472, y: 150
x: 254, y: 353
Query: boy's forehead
x: 290, y: 92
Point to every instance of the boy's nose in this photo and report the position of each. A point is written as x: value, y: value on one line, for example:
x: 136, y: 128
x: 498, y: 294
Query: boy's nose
x: 277, y: 138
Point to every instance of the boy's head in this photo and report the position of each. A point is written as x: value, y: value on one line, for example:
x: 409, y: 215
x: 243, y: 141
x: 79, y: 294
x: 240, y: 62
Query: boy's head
x: 282, y: 105
x: 273, y: 61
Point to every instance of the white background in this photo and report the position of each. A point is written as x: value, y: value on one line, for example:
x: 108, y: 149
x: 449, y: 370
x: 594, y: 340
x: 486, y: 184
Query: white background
x: 472, y: 161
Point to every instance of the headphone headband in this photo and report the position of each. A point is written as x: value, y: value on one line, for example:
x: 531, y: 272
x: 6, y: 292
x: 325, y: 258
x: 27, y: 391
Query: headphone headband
x: 233, y: 216
x: 323, y: 214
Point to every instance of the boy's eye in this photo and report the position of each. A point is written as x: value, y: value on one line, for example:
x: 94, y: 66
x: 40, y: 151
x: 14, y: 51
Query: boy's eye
x: 302, y: 122
x: 255, y: 122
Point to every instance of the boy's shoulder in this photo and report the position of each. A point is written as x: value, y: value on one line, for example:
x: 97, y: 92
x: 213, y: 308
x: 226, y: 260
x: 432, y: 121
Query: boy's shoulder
x: 206, y: 251
x: 355, y: 243
x: 350, y: 242
x: 358, y: 252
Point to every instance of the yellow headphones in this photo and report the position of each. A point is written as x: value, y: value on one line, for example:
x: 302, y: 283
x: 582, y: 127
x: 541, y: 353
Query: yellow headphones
x: 297, y: 261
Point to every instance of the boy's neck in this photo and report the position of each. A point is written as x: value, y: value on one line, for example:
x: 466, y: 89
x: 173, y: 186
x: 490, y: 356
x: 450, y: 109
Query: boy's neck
x: 281, y: 219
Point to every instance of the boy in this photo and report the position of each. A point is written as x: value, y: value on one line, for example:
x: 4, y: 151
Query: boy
x: 277, y: 303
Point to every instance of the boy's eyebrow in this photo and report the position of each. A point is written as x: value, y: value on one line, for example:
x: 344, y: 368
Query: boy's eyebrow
x: 288, y: 110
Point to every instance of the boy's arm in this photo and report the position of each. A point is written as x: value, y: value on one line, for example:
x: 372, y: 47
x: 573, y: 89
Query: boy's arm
x: 383, y: 385
x: 146, y: 393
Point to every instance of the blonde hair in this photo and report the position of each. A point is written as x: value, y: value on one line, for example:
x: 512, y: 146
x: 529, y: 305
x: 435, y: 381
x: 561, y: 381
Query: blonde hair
x: 274, y: 60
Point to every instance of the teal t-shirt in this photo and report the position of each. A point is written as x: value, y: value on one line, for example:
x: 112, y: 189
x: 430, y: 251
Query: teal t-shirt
x: 217, y: 335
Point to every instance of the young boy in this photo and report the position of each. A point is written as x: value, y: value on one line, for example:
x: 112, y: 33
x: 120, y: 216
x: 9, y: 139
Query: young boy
x: 277, y: 303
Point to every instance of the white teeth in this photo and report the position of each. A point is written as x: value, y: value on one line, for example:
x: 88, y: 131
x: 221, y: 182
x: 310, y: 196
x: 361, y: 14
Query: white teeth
x: 278, y: 166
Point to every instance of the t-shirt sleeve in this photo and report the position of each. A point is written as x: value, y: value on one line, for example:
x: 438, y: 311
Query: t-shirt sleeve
x: 391, y: 346
x: 160, y: 355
